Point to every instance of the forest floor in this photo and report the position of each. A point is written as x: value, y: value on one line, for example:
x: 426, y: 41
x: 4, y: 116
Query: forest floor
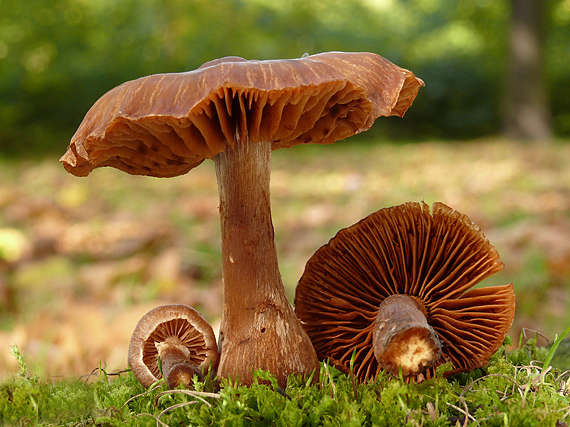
x: 82, y: 259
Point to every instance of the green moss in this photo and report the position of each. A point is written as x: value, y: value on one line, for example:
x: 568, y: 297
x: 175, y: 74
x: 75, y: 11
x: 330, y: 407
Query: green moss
x: 515, y: 388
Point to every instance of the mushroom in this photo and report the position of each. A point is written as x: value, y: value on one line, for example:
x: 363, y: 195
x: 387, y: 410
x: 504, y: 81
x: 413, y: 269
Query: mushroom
x: 236, y: 112
x: 183, y: 341
x: 395, y: 291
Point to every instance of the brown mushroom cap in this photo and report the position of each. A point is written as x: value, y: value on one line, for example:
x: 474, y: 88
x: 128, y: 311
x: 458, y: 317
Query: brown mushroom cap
x: 434, y: 257
x: 166, y: 324
x: 166, y: 124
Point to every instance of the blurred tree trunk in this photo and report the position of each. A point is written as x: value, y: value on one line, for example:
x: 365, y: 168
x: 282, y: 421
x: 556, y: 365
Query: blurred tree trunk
x: 527, y: 114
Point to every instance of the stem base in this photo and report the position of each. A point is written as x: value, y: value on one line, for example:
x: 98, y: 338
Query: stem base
x: 403, y: 340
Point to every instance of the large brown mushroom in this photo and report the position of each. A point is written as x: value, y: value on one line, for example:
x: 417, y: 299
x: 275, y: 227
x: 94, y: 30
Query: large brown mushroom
x: 395, y: 290
x: 175, y: 342
x: 235, y: 112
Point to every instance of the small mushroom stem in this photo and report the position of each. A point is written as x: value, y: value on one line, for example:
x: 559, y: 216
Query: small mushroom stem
x: 259, y: 329
x: 176, y: 367
x: 402, y: 337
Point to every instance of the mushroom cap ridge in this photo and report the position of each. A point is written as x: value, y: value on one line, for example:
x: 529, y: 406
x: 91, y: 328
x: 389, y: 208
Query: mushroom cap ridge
x: 162, y: 322
x: 435, y: 258
x: 166, y: 124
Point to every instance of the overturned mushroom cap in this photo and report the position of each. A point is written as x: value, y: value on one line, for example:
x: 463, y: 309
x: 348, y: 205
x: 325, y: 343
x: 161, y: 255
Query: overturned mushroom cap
x: 166, y: 124
x: 435, y: 258
x: 176, y: 327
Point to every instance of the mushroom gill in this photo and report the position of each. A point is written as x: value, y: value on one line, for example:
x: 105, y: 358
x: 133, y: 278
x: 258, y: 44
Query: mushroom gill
x: 433, y: 259
x: 180, y: 338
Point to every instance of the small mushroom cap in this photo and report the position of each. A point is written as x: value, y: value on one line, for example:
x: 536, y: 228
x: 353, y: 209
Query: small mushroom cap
x: 166, y: 124
x: 171, y: 325
x: 434, y: 257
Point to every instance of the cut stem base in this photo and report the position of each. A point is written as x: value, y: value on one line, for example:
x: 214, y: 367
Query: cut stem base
x: 403, y: 339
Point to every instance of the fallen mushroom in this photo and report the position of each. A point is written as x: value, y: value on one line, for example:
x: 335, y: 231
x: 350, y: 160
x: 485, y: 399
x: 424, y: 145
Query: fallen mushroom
x: 180, y: 338
x: 395, y: 290
x: 235, y: 112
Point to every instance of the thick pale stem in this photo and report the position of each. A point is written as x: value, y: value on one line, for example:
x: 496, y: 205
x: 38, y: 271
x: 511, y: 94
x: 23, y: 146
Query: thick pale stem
x: 402, y: 337
x: 259, y: 329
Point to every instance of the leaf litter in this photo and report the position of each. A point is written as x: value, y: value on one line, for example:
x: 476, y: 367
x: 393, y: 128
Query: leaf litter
x: 87, y: 257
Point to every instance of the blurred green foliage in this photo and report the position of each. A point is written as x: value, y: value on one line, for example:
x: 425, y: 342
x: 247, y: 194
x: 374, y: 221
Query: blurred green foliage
x: 58, y: 56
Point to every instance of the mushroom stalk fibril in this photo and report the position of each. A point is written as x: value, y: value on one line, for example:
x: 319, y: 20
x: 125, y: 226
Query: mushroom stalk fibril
x: 403, y: 341
x: 259, y: 329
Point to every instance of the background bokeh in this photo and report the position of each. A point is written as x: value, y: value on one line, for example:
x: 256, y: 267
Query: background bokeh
x: 82, y: 259
x: 58, y: 56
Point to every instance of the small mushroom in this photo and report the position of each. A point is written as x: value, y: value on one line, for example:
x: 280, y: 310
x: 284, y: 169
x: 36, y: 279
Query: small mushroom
x: 183, y: 341
x: 236, y: 112
x: 396, y: 289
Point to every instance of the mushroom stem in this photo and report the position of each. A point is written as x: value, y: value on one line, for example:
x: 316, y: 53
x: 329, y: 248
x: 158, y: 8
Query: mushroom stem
x: 259, y: 329
x: 176, y: 367
x: 402, y: 337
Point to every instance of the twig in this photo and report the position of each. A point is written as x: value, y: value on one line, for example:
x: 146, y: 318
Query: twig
x: 158, y: 422
x: 111, y: 374
x: 468, y: 386
x: 196, y: 394
x: 465, y: 412
x: 537, y: 333
x: 173, y: 407
x: 151, y: 389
